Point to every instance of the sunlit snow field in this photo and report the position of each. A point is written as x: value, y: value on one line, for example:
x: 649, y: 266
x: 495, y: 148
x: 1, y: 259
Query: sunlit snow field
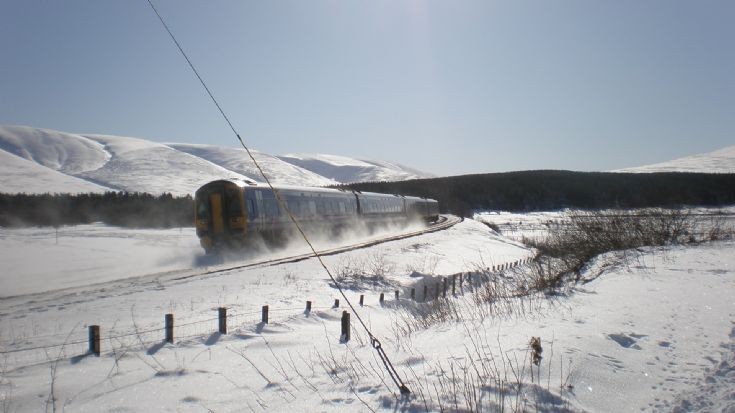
x: 651, y: 336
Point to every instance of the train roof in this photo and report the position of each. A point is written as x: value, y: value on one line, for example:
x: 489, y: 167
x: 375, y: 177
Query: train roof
x: 313, y: 189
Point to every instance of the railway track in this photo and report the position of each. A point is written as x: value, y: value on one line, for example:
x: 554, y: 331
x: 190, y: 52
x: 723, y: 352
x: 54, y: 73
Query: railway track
x: 444, y: 222
x: 92, y: 292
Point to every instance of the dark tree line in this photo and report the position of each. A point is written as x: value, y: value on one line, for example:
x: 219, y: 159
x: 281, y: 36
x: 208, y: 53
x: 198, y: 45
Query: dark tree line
x: 510, y: 191
x: 552, y: 190
x: 128, y: 209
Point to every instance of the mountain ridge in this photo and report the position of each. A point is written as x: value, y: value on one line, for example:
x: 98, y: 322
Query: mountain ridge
x: 36, y: 160
x: 718, y: 161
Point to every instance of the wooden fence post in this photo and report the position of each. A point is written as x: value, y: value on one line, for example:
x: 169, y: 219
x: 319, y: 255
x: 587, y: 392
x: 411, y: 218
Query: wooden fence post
x: 444, y: 290
x: 169, y: 324
x: 426, y: 291
x: 222, y: 313
x: 413, y: 294
x: 396, y: 295
x: 454, y: 284
x: 345, y: 336
x: 437, y: 287
x: 461, y: 279
x: 382, y: 297
x: 336, y: 303
x: 94, y: 340
x: 264, y: 314
x: 362, y: 299
x: 308, y: 306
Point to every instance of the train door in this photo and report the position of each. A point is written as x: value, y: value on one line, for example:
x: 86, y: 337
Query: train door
x: 218, y: 222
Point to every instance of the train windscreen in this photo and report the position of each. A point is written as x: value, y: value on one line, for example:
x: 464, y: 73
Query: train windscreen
x: 202, y: 209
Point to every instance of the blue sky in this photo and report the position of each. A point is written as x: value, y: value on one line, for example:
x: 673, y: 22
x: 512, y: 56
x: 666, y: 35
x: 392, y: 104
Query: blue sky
x: 443, y: 86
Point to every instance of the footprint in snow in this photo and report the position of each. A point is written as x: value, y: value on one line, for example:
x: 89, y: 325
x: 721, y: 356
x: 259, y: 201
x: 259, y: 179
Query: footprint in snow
x: 626, y: 340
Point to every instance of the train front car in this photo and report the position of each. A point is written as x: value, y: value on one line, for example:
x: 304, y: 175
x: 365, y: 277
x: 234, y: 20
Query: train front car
x: 220, y: 215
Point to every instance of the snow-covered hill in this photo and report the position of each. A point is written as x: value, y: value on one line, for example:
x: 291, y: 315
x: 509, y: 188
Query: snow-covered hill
x: 18, y: 175
x: 237, y: 160
x: 719, y: 161
x: 37, y: 160
x: 347, y: 170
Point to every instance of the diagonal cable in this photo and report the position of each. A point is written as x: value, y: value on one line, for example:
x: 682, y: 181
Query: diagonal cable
x: 373, y: 340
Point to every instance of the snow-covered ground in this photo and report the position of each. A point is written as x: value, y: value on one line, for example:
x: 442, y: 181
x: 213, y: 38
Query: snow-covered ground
x: 34, y: 160
x: 536, y: 225
x: 82, y: 255
x: 657, y: 335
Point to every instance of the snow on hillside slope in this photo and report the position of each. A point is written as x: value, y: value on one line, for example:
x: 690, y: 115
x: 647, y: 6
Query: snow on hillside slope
x: 41, y: 160
x: 18, y: 175
x: 348, y: 170
x: 144, y: 166
x: 719, y: 161
x: 60, y: 151
x: 237, y: 160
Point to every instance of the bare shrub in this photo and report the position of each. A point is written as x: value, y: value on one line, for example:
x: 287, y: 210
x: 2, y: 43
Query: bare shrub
x: 585, y: 235
x: 378, y: 265
x: 357, y: 273
x: 718, y: 230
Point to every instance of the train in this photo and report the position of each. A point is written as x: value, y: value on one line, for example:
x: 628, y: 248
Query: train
x: 231, y: 214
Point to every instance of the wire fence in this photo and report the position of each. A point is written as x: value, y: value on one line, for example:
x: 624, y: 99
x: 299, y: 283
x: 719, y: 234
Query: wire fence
x: 20, y: 353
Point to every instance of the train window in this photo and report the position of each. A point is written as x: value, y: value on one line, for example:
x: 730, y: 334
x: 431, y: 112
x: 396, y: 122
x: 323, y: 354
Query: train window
x: 251, y: 204
x: 251, y: 208
x: 202, y: 209
x: 342, y: 208
x: 271, y: 208
x: 312, y: 207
